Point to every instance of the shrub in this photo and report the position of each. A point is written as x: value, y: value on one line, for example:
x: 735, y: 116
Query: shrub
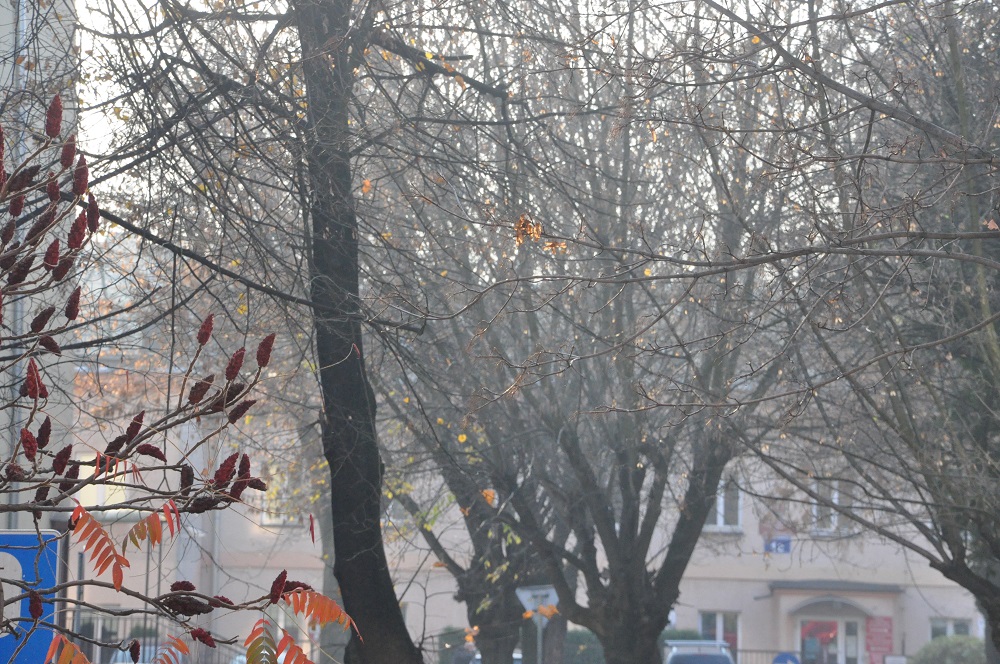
x: 952, y: 650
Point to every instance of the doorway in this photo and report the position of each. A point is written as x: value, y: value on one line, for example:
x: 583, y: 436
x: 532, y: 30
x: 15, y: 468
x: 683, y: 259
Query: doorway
x: 830, y: 641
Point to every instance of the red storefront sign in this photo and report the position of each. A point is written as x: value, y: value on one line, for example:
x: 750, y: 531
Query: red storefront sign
x: 878, y: 638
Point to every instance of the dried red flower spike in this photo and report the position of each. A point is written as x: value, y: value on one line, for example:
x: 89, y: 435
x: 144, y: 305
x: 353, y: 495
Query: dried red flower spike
x: 201, y: 635
x: 134, y: 426
x: 77, y: 232
x: 39, y: 322
x: 51, y: 260
x: 61, y: 459
x: 23, y: 178
x: 199, y: 389
x: 54, y: 117
x: 235, y: 364
x: 68, y: 153
x: 205, y: 331
x: 44, y: 432
x: 49, y: 344
x: 93, y: 214
x: 41, y: 224
x: 73, y: 303
x: 240, y: 409
x: 29, y: 444
x: 16, y: 206
x: 34, y: 604
x: 244, y: 472
x: 71, y: 476
x: 42, y: 492
x: 187, y: 479
x: 65, y: 265
x: 264, y: 350
x: 20, y: 271
x: 134, y: 651
x: 7, y: 234
x: 257, y: 484
x: 182, y: 586
x: 52, y: 187
x: 226, y: 471
x: 278, y: 587
x: 33, y: 381
x: 153, y: 451
x: 81, y: 177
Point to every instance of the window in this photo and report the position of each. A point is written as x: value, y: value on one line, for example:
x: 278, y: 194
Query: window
x: 725, y: 512
x: 721, y: 626
x: 826, y: 516
x: 950, y: 627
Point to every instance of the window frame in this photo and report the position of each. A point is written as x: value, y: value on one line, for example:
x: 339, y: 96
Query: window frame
x: 722, y: 506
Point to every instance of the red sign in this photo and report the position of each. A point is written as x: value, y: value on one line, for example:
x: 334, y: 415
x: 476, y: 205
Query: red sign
x: 878, y: 638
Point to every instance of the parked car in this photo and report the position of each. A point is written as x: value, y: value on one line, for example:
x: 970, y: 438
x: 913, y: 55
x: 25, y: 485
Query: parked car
x: 148, y: 650
x: 698, y: 652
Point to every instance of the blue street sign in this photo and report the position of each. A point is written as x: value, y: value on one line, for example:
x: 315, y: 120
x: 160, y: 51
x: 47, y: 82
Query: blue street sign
x: 781, y: 544
x: 785, y: 658
x: 34, y: 560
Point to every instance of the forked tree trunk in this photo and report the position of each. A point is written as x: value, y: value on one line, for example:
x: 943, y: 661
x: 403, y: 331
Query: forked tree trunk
x: 348, y: 422
x: 628, y: 646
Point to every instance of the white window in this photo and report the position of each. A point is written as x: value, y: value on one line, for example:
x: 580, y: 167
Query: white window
x: 833, y: 496
x: 725, y: 512
x: 950, y: 627
x: 721, y: 626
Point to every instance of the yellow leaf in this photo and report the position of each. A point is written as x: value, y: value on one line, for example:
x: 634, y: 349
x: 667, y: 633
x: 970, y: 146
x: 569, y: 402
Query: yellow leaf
x: 406, y: 399
x: 438, y: 563
x: 444, y: 273
x: 440, y: 420
x: 366, y: 186
x: 755, y: 40
x: 462, y: 437
x: 647, y: 272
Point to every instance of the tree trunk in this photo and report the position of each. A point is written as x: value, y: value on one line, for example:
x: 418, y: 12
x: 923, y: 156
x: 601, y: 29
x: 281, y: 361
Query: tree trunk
x: 348, y: 422
x: 554, y: 645
x: 631, y: 646
x: 499, y: 625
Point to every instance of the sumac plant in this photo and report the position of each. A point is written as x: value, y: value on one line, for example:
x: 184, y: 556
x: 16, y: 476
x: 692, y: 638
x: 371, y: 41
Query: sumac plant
x: 49, y: 218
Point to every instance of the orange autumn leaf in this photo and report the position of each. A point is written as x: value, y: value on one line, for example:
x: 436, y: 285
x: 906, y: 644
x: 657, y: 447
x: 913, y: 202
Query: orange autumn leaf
x: 366, y: 186
x: 548, y: 610
x: 489, y: 495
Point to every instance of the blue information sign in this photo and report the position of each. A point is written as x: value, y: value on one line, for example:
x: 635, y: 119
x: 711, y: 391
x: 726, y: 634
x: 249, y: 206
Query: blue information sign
x: 785, y: 658
x: 34, y: 559
x: 781, y: 544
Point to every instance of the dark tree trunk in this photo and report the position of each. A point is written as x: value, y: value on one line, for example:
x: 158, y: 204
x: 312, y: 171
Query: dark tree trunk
x: 498, y: 616
x: 629, y: 646
x: 554, y: 645
x: 348, y: 424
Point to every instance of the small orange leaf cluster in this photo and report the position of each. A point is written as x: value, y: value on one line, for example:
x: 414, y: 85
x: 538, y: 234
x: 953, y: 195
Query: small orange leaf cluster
x: 525, y: 228
x: 150, y: 529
